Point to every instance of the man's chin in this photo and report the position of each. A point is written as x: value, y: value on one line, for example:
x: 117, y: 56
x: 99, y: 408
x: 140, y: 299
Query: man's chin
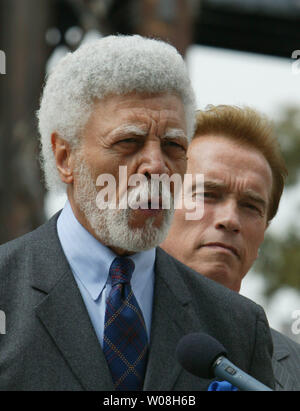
x: 137, y: 239
x: 130, y: 231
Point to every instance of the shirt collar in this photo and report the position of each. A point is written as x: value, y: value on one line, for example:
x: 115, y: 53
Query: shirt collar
x: 89, y: 259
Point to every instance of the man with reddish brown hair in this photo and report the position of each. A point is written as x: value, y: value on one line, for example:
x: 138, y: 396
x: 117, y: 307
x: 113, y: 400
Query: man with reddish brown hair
x: 244, y: 176
x: 248, y: 128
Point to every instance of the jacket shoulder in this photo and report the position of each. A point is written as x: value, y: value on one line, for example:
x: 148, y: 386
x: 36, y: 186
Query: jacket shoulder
x: 284, y: 346
x: 286, y: 362
x: 237, y: 322
x: 18, y: 250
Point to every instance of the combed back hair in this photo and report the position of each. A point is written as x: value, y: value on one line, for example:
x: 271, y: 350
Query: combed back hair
x: 113, y: 65
x: 247, y: 127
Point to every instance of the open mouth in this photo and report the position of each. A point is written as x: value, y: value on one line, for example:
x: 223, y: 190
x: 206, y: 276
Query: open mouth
x: 151, y: 204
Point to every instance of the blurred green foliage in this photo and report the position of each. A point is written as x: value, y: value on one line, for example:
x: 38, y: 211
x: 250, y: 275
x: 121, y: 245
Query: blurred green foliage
x: 288, y: 132
x: 279, y: 260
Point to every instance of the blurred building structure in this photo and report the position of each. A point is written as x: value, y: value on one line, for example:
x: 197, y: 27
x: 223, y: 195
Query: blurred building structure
x: 30, y: 30
x: 259, y: 26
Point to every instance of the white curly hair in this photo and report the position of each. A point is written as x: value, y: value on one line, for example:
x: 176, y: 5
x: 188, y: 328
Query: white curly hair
x: 111, y: 65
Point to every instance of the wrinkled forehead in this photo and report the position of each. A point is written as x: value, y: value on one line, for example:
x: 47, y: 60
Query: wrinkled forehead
x: 136, y: 112
x: 224, y: 161
x: 205, y: 151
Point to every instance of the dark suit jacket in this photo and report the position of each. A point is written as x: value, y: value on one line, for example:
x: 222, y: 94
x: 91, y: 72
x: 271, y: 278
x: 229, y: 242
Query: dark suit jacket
x: 50, y: 343
x: 286, y: 362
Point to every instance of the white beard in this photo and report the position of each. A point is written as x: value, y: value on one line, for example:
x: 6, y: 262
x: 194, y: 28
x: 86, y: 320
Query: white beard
x: 111, y: 226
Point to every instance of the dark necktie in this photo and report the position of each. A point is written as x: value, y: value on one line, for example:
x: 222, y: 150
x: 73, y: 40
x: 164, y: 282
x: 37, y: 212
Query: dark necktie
x: 125, y: 342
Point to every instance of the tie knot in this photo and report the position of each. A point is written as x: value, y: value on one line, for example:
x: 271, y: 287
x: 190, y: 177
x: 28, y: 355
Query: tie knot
x: 121, y: 270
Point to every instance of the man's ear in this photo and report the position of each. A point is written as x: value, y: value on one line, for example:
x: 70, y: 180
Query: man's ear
x: 63, y: 157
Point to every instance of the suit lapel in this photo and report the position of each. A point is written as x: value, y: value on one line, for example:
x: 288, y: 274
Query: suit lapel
x: 281, y: 358
x: 284, y: 381
x: 172, y: 318
x: 64, y: 315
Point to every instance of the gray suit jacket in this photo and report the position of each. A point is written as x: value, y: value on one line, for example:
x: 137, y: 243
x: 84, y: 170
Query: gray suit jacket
x: 50, y: 343
x: 286, y: 362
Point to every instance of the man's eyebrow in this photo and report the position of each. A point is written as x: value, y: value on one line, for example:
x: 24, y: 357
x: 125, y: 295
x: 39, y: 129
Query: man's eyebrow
x: 175, y: 133
x: 127, y: 129
x: 139, y: 130
x: 210, y: 185
x: 253, y: 196
x: 219, y: 185
x: 213, y: 184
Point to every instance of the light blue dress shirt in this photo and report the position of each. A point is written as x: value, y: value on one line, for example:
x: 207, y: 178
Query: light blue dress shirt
x: 90, y: 262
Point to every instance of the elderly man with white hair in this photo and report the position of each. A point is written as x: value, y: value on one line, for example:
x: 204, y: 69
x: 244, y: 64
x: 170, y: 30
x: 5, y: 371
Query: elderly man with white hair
x: 91, y: 302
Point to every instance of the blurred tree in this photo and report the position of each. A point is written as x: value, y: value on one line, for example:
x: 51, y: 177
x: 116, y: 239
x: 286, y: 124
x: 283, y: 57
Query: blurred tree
x: 288, y: 131
x: 279, y: 259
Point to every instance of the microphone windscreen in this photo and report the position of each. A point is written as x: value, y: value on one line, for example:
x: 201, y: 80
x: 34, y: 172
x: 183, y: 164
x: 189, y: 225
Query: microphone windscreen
x: 197, y: 352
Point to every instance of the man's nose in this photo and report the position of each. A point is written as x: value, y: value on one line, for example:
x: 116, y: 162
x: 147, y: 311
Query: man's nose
x: 153, y: 160
x: 228, y: 217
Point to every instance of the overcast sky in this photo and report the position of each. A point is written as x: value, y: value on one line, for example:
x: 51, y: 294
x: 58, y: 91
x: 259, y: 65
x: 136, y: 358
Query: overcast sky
x: 229, y: 77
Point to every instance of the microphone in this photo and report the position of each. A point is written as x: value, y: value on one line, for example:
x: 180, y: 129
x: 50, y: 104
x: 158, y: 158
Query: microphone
x: 204, y: 356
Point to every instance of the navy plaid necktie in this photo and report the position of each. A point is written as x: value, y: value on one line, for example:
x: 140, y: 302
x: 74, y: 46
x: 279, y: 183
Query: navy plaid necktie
x: 125, y: 342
